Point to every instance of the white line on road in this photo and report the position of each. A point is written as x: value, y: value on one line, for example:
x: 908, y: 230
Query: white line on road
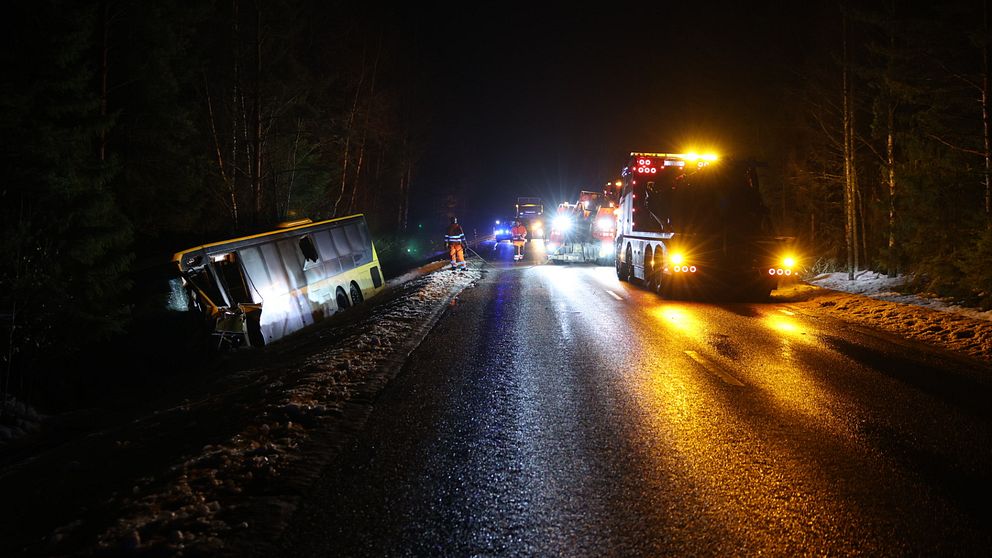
x: 715, y: 369
x: 613, y: 294
x: 786, y: 312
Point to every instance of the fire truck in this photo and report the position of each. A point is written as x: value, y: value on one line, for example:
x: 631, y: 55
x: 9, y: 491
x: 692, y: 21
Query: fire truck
x: 691, y: 225
x: 584, y: 231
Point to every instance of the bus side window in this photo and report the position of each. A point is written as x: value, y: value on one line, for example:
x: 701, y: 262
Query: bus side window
x: 343, y: 248
x: 328, y: 253
x: 309, y: 252
x: 290, y: 257
x: 360, y: 247
x: 255, y: 270
x: 276, y: 277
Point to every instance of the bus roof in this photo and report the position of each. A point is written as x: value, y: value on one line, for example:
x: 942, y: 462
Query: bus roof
x: 288, y: 229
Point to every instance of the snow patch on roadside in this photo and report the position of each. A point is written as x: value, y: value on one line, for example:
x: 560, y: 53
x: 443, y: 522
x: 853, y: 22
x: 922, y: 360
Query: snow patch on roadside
x: 876, y: 300
x: 199, y: 503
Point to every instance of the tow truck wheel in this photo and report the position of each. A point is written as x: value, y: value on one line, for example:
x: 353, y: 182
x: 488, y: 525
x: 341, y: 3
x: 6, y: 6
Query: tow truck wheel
x: 648, y: 269
x: 655, y: 276
x: 628, y: 266
x: 623, y: 269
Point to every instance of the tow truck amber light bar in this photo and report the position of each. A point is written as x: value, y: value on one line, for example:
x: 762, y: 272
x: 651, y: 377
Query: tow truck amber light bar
x: 687, y: 156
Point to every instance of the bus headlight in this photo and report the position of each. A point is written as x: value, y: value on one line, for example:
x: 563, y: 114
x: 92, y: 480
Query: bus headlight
x: 677, y: 258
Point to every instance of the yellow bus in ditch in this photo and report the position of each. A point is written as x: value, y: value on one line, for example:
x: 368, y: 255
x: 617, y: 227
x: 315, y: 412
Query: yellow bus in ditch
x: 260, y: 288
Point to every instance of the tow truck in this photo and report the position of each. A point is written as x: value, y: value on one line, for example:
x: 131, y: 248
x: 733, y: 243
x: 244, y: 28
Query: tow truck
x: 693, y: 224
x: 584, y: 231
x: 530, y: 212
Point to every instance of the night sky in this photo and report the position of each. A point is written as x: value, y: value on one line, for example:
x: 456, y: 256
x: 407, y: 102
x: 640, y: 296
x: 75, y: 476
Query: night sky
x: 545, y: 100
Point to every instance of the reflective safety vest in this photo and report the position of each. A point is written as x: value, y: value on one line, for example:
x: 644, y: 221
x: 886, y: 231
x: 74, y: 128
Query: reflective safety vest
x: 454, y: 234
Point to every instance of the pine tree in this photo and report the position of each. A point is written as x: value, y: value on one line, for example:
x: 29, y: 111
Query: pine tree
x: 65, y: 248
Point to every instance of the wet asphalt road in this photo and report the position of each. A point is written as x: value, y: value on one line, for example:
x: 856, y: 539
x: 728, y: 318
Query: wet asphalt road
x: 555, y: 411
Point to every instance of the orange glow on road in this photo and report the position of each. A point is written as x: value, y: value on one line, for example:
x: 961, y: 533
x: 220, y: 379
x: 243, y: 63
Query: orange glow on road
x: 784, y: 325
x: 679, y: 318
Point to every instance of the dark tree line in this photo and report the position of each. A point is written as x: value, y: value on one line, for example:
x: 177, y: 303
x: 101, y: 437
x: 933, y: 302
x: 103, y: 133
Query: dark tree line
x: 885, y: 153
x: 133, y: 129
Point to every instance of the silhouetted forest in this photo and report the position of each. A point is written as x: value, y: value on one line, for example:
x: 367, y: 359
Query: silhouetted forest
x: 133, y: 129
x: 882, y: 159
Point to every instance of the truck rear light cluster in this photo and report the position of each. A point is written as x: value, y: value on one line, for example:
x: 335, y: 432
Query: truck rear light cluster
x: 684, y: 268
x: 779, y: 271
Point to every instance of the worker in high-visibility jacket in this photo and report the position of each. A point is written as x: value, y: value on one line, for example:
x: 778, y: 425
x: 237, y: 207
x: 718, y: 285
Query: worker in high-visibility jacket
x: 455, y: 239
x: 518, y: 235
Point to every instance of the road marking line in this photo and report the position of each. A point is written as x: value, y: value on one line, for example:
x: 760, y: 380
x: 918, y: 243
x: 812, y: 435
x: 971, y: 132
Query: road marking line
x: 613, y: 294
x: 716, y: 370
x: 786, y: 312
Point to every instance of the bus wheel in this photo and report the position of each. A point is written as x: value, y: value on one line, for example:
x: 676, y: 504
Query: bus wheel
x: 342, y: 299
x: 356, y: 295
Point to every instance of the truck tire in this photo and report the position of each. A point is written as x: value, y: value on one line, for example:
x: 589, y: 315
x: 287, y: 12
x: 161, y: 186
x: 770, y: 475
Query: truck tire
x: 652, y: 271
x: 623, y: 269
x: 342, y: 299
